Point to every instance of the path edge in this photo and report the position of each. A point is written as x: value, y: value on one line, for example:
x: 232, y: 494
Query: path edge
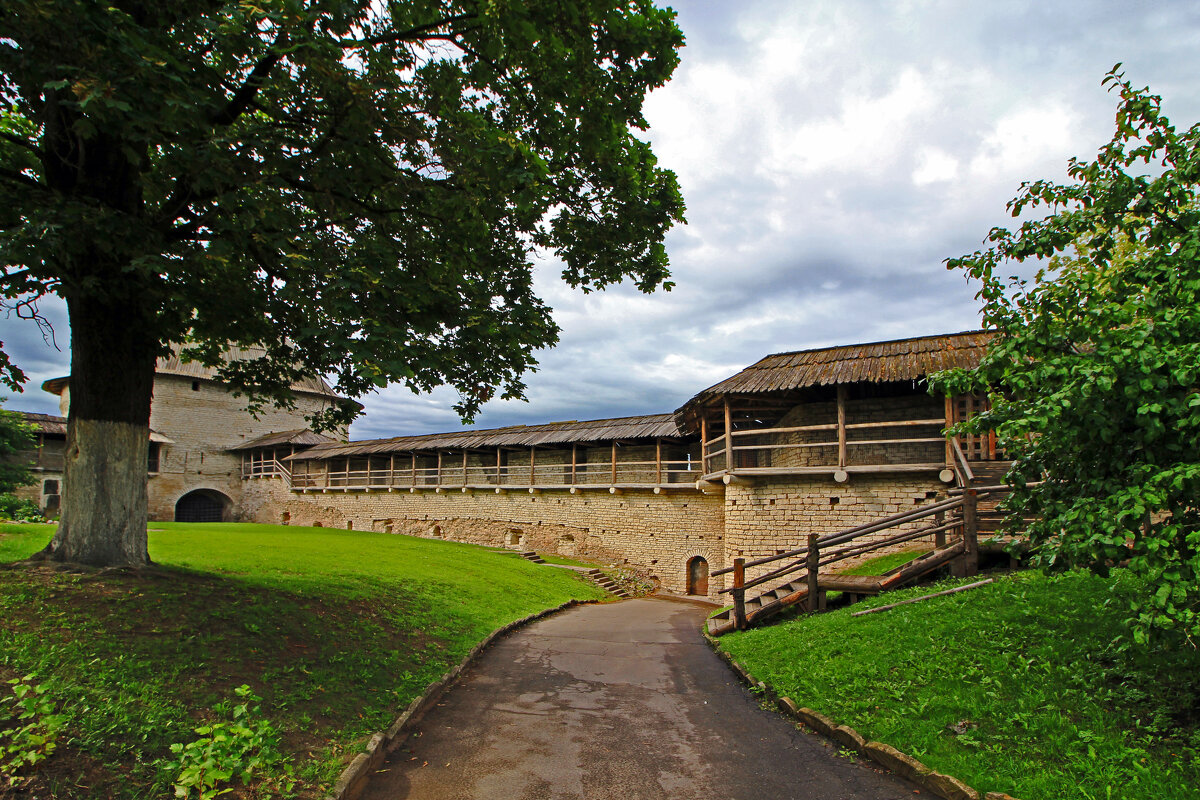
x: 946, y: 787
x: 354, y: 778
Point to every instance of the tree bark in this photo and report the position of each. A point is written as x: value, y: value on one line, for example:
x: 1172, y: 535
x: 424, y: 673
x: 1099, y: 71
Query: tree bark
x: 104, y: 511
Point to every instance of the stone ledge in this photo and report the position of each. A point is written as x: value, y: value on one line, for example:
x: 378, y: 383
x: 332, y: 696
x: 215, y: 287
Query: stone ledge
x: 946, y: 787
x: 354, y: 778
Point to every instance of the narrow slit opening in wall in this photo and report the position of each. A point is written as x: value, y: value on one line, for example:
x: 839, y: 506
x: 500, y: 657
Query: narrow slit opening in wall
x: 833, y: 501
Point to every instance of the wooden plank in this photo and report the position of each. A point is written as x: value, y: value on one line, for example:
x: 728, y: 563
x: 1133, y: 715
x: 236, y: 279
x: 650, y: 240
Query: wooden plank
x: 907, y: 423
x: 955, y: 590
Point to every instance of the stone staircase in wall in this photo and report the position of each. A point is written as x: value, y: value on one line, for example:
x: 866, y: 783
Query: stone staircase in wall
x: 606, y: 583
x: 594, y: 575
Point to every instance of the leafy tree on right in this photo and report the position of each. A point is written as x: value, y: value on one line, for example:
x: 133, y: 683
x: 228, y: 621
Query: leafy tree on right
x: 1094, y: 374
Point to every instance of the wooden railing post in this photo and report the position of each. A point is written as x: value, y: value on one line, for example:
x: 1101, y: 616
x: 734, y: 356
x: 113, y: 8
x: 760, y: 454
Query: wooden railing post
x: 813, y: 563
x: 970, y: 533
x: 939, y: 538
x: 739, y: 594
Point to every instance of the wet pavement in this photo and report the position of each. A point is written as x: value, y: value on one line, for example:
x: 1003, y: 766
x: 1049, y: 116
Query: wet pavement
x: 620, y: 701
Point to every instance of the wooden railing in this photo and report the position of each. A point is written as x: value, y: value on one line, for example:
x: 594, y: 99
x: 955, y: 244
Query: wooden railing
x: 341, y: 475
x: 821, y: 551
x: 266, y: 468
x: 826, y: 446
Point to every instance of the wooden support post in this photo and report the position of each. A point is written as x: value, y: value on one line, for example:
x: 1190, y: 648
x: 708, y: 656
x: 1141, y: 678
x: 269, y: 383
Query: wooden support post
x: 574, y: 461
x: 939, y: 538
x: 739, y: 594
x: 391, y: 470
x: 657, y: 461
x: 499, y: 465
x: 613, y: 479
x: 532, y: 465
x: 949, y: 422
x: 413, y: 482
x: 464, y: 467
x: 970, y: 533
x: 704, y: 445
x: 439, y: 468
x: 728, y: 437
x: 813, y: 562
x: 841, y: 425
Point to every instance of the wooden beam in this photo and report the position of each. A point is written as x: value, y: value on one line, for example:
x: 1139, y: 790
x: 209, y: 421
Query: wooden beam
x: 704, y: 445
x: 658, y: 460
x: 499, y: 457
x: 532, y: 466
x: 574, y: 455
x: 728, y: 437
x: 841, y: 425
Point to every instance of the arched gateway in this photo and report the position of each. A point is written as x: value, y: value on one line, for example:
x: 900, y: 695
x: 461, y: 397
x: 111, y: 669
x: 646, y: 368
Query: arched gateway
x: 202, y: 505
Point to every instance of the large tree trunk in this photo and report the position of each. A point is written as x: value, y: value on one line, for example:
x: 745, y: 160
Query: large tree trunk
x: 103, y: 520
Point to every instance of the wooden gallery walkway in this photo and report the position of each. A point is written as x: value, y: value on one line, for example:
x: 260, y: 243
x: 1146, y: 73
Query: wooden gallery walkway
x: 621, y: 700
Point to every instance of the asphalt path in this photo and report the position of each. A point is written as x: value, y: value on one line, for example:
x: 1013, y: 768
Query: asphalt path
x: 620, y: 701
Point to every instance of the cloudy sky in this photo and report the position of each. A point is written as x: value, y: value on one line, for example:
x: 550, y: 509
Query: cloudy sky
x: 833, y: 153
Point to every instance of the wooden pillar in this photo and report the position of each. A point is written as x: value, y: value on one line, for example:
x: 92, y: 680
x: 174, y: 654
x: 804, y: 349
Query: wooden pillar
x: 614, y: 463
x: 413, y: 482
x: 499, y: 465
x: 728, y: 437
x: 970, y: 533
x: 813, y: 564
x: 464, y: 467
x: 439, y: 468
x: 949, y: 422
x: 739, y: 594
x: 347, y: 483
x: 704, y: 445
x: 391, y: 469
x: 841, y: 425
x: 657, y: 461
x: 939, y: 538
x: 532, y: 465
x: 574, y: 455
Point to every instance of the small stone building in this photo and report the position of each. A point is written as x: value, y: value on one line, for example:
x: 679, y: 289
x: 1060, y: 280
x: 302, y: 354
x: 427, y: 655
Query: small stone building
x: 202, y: 436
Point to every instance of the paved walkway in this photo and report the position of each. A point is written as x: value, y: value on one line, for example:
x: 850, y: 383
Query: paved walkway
x: 622, y: 701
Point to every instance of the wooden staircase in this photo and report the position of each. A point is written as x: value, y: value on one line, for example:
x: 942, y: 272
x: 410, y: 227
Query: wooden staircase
x: 956, y: 526
x: 760, y: 607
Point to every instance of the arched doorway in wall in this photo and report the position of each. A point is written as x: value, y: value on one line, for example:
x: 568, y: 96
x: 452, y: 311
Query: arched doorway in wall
x: 202, y: 505
x: 697, y: 576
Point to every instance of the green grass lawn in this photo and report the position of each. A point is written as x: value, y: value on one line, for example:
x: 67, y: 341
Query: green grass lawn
x: 1026, y: 686
x: 335, y: 630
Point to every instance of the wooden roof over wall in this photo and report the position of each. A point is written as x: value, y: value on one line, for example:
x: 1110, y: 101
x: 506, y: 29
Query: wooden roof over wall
x: 655, y: 426
x: 45, y: 423
x: 873, y: 362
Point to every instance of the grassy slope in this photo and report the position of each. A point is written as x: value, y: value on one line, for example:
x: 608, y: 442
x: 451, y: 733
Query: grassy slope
x: 336, y: 630
x: 1031, y: 669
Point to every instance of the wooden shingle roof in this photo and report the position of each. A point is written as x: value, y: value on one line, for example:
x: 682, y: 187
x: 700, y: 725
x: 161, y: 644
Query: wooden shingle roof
x: 302, y: 437
x: 655, y: 426
x: 872, y: 362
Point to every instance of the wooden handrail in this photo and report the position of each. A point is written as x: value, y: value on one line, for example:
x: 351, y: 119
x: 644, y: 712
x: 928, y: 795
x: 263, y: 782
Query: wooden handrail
x: 851, y: 533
